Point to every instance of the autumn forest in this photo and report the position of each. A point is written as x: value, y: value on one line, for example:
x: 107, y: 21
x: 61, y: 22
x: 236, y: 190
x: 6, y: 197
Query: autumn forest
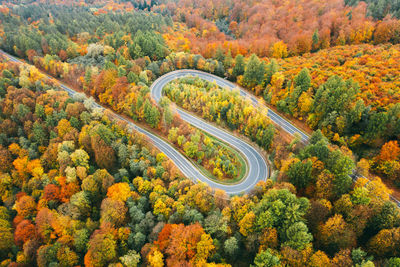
x: 87, y: 176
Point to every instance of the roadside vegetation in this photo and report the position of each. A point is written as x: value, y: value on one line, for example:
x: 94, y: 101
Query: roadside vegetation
x: 77, y: 188
x: 223, y: 107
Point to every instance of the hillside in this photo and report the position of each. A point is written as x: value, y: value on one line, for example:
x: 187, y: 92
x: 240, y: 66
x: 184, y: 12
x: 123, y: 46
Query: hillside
x: 80, y: 187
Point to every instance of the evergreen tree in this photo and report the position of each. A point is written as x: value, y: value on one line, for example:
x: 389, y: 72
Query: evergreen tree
x: 303, y: 80
x: 238, y: 69
x: 315, y: 40
x: 219, y: 55
x: 254, y: 72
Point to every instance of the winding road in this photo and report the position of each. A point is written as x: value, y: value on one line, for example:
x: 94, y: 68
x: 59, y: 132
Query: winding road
x: 258, y: 168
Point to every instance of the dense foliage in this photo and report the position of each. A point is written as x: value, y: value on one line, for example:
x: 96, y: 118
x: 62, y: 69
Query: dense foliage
x: 78, y: 188
x: 381, y: 8
x: 223, y: 107
x: 279, y: 28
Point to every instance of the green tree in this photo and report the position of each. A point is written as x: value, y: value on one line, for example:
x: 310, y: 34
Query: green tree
x: 315, y: 40
x: 238, y: 69
x: 280, y: 209
x: 266, y: 259
x: 228, y: 61
x: 272, y: 68
x: 191, y: 149
x: 341, y: 166
x: 132, y: 77
x: 231, y: 247
x: 154, y: 117
x: 299, y: 173
x: 303, y: 79
x: 393, y: 262
x: 151, y: 114
x: 220, y: 55
x: 6, y: 238
x: 80, y: 206
x: 102, y: 250
x: 131, y: 259
x: 254, y: 72
x: 359, y: 256
x: 298, y: 236
x: 39, y: 134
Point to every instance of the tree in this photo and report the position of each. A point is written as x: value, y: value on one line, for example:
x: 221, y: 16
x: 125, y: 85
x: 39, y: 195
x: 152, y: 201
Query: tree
x: 184, y: 244
x: 132, y: 258
x: 104, y: 154
x: 80, y: 205
x: 319, y: 258
x: 219, y: 54
x: 246, y: 224
x: 239, y: 67
x: 389, y: 151
x: 341, y: 166
x: 269, y: 238
x: 113, y: 211
x: 102, y: 249
x: 39, y: 134
x: 335, y: 234
x: 81, y: 239
x: 80, y: 158
x: 393, y: 262
x: 279, y: 50
x: 342, y: 258
x: 231, y: 247
x: 92, y: 187
x: 156, y: 259
x: 6, y: 237
x: 51, y: 192
x: 151, y: 114
x: 228, y: 61
x: 190, y: 149
x: 303, y: 79
x: 5, y: 159
x: 359, y: 256
x: 216, y: 225
x: 95, y: 50
x: 386, y: 243
x: 67, y: 257
x: 266, y: 259
x: 324, y: 185
x: 299, y: 173
x: 26, y: 206
x: 64, y: 127
x: 315, y: 40
x: 302, y: 44
x: 298, y: 236
x: 376, y: 125
x: 254, y: 72
x: 119, y: 191
x: 272, y: 68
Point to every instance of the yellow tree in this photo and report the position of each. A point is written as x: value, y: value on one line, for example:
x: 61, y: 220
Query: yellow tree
x: 279, y: 50
x: 155, y: 258
x: 336, y: 234
x: 63, y: 127
x: 246, y: 225
x: 119, y: 191
x: 318, y: 259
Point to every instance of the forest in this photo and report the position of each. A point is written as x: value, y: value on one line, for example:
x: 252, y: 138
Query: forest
x: 79, y: 188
